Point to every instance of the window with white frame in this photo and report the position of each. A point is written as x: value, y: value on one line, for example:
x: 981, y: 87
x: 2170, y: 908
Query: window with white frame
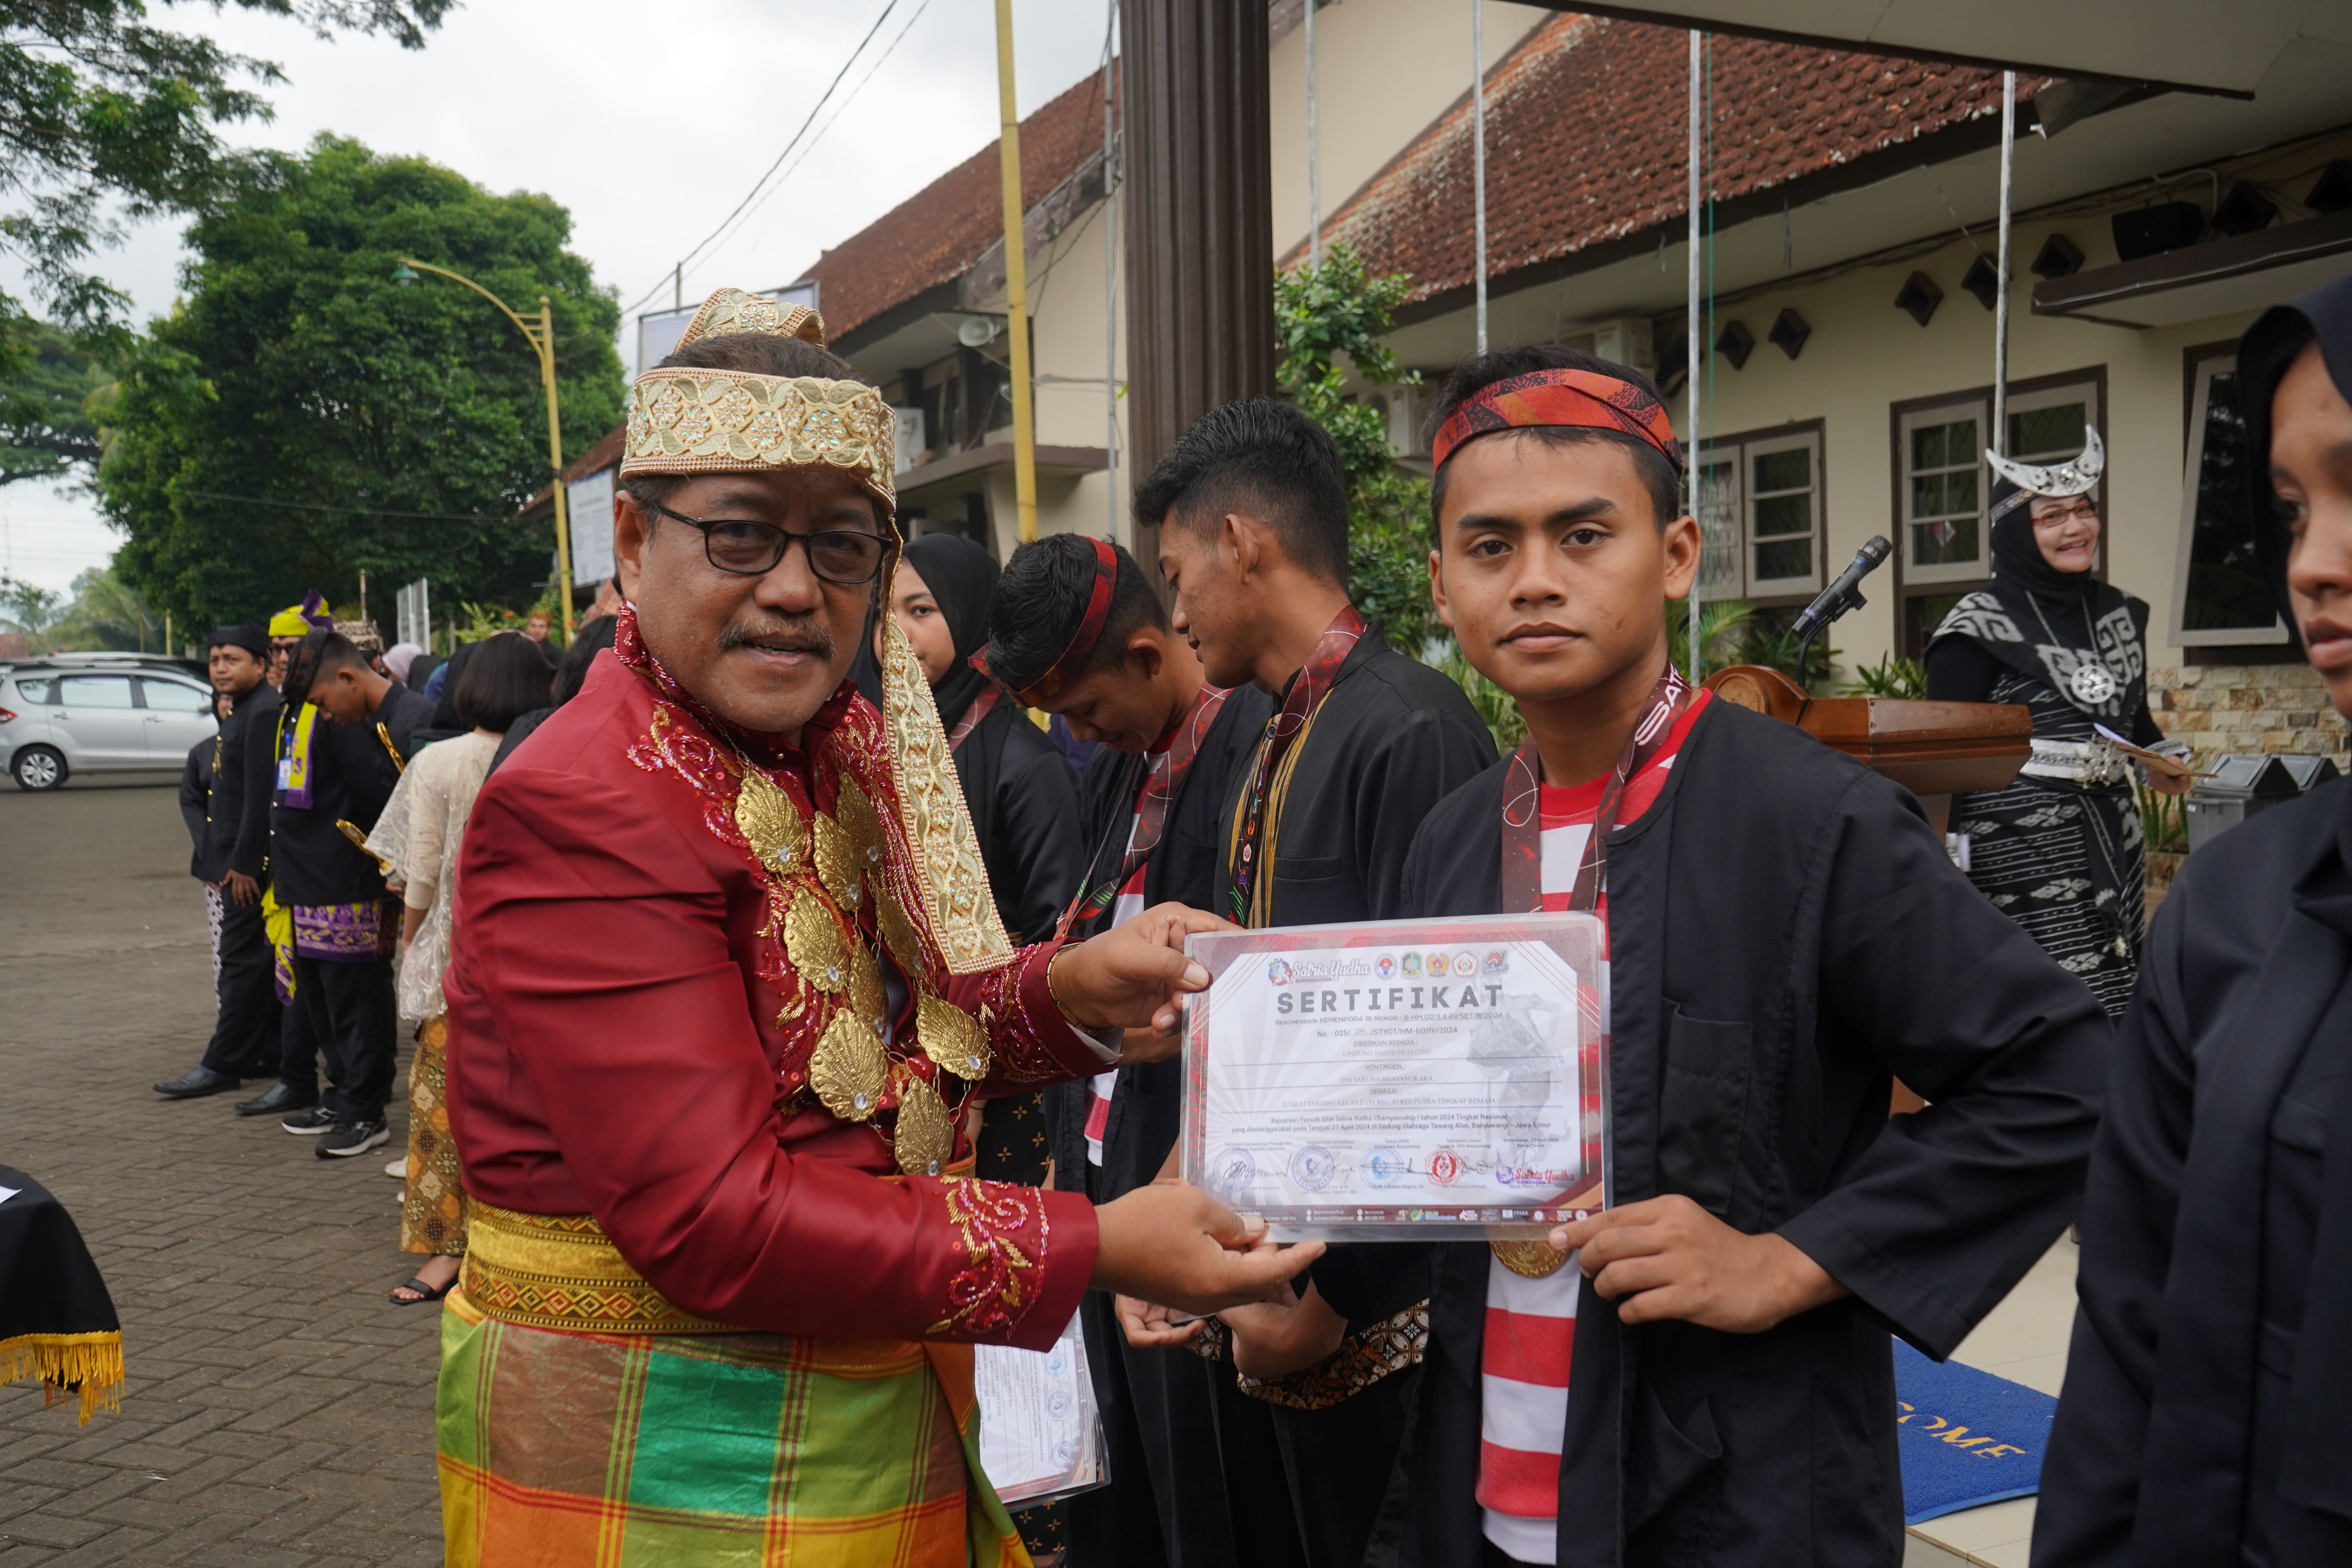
x: 1945, y: 483
x: 1759, y: 513
x: 2218, y: 594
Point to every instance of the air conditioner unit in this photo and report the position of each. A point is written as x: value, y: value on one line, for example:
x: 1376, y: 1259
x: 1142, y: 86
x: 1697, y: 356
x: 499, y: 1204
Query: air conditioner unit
x: 1625, y: 339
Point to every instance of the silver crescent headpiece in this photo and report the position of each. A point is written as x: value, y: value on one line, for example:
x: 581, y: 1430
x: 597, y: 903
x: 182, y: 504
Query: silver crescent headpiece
x: 2067, y: 478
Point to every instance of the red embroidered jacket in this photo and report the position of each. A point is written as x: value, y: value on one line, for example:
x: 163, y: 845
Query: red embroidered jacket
x: 624, y: 1041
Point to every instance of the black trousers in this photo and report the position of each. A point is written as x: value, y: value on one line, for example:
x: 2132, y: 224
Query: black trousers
x: 245, y: 1031
x: 349, y: 1010
x: 297, y: 1051
x: 1196, y: 1474
x: 1339, y: 1461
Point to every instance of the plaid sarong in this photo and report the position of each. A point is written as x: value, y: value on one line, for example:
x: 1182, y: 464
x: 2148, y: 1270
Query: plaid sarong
x: 604, y: 1450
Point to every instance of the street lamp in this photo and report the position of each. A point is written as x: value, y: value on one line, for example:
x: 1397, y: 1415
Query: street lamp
x: 541, y: 338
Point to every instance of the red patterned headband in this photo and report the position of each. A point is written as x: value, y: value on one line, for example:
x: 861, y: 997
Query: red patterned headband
x: 1082, y: 642
x: 1553, y: 397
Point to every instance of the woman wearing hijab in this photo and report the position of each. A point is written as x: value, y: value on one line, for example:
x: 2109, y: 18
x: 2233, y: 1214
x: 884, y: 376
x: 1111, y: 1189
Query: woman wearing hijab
x: 1024, y: 798
x: 2211, y: 1360
x: 2059, y: 850
x: 1022, y: 795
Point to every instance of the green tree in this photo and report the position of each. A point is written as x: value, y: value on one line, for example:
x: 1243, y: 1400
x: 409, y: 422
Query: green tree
x: 47, y: 429
x: 1322, y: 315
x: 103, y: 117
x: 270, y: 432
x: 105, y: 613
x: 27, y: 607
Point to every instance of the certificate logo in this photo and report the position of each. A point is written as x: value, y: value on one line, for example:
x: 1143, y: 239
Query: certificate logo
x: 1231, y: 1171
x: 1499, y: 963
x: 1384, y: 966
x: 1466, y: 964
x: 1278, y: 972
x: 1445, y: 1167
x: 1386, y: 1167
x: 1313, y: 1168
x: 1438, y: 964
x: 1411, y: 964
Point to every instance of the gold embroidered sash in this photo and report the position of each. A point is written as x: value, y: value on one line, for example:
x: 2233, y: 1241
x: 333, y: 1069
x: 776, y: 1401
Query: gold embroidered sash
x: 561, y: 1271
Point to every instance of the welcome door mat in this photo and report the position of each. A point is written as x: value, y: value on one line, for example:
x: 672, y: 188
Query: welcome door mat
x: 1965, y: 1436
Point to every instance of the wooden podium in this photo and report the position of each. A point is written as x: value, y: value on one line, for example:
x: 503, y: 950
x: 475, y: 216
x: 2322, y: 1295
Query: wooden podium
x: 1934, y: 750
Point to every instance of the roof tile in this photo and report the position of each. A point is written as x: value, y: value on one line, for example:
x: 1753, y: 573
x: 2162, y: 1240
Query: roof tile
x: 1586, y: 137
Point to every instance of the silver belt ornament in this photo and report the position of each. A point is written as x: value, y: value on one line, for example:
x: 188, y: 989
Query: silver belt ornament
x: 2075, y: 761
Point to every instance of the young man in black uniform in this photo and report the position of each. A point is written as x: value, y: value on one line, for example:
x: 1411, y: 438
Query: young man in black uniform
x: 1786, y: 935
x: 341, y: 753
x: 1252, y: 505
x: 1079, y: 631
x: 231, y: 858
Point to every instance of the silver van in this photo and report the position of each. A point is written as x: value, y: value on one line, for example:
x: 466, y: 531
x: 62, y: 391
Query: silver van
x: 74, y: 714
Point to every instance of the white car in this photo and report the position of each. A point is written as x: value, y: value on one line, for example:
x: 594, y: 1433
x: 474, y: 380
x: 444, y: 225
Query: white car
x: 72, y: 713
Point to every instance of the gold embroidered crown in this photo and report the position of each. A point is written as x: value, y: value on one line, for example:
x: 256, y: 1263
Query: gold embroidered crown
x: 684, y: 420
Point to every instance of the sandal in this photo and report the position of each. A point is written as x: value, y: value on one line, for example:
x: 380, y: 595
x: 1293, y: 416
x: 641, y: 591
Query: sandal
x: 423, y: 1292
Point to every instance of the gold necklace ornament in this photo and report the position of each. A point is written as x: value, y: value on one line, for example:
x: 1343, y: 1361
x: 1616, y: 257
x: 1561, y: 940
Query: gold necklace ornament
x: 924, y: 1136
x: 897, y: 930
x: 1530, y: 1259
x: 952, y: 1037
x: 768, y: 821
x: 813, y: 942
x: 849, y: 1069
x: 839, y: 865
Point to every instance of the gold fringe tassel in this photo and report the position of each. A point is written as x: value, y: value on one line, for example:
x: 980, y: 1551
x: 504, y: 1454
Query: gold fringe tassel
x: 62, y: 1360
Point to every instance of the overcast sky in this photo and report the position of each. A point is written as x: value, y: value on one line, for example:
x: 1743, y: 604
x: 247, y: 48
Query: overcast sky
x: 648, y: 122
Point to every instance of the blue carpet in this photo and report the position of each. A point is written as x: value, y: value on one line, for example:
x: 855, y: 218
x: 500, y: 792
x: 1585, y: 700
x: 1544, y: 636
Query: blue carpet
x: 1965, y: 1436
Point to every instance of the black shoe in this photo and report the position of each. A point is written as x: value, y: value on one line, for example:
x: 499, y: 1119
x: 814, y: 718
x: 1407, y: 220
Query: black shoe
x: 351, y: 1138
x: 309, y: 1123
x: 277, y: 1097
x: 194, y: 1084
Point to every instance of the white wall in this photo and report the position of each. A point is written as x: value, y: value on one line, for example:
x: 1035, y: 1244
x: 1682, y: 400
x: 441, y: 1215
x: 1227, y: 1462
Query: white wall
x: 1865, y: 355
x: 1384, y: 70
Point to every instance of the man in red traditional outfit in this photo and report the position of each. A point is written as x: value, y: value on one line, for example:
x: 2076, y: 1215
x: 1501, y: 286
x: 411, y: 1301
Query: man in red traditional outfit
x: 726, y: 973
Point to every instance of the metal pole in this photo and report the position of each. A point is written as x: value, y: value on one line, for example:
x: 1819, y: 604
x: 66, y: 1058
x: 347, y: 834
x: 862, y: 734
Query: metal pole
x: 2000, y: 442
x: 1110, y: 306
x: 1478, y: 149
x: 1691, y: 349
x: 1314, y: 155
x: 364, y: 593
x: 555, y: 460
x: 1016, y: 283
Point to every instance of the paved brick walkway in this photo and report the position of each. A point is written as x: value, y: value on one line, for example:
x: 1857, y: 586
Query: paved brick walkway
x: 278, y: 1412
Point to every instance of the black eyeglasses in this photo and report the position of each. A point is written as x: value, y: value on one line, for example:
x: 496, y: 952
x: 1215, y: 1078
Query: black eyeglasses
x: 746, y: 548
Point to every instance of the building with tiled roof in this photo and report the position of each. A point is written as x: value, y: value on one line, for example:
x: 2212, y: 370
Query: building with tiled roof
x: 1848, y: 268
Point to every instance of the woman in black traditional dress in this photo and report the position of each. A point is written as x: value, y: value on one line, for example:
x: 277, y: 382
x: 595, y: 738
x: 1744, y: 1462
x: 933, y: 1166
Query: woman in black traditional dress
x: 1023, y: 799
x: 2059, y: 848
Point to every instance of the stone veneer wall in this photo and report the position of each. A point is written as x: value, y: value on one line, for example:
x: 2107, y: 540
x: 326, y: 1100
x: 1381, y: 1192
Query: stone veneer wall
x: 2242, y: 708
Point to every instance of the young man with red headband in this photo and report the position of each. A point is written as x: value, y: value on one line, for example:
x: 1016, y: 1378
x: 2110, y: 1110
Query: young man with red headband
x: 1703, y: 1371
x: 1079, y: 630
x: 1252, y: 508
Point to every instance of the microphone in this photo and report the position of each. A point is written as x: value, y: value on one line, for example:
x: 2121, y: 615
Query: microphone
x: 1841, y: 596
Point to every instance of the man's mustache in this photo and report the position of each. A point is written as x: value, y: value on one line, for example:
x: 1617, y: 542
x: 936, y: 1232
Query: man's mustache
x: 804, y: 634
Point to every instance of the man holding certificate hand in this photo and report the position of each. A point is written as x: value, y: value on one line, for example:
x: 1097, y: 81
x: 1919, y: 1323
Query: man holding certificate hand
x: 1786, y: 935
x: 724, y: 1269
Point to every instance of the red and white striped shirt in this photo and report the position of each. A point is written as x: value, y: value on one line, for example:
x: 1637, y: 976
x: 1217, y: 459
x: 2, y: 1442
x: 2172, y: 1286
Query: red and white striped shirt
x: 1530, y: 1336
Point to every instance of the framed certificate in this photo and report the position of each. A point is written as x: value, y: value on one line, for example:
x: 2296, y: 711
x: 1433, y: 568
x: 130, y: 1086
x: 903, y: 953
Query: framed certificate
x: 1395, y: 1078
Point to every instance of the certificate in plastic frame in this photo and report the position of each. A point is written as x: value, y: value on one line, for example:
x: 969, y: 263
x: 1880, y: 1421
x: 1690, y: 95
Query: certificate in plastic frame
x: 1040, y: 1437
x: 1396, y: 1080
